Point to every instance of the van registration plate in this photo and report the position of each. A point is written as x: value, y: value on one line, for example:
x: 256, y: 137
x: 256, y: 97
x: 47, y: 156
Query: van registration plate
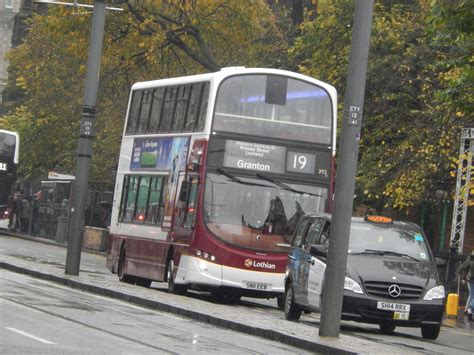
x: 257, y: 286
x: 396, y: 307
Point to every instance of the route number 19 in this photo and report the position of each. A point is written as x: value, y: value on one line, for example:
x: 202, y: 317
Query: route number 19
x: 299, y: 162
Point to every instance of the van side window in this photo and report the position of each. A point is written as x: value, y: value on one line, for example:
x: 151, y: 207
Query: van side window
x: 313, y: 233
x: 324, y: 239
x: 300, y: 234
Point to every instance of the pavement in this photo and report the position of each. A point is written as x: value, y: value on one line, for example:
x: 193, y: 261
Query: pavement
x: 50, y: 266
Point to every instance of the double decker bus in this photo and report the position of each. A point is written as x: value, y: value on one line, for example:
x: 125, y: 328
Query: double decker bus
x: 215, y: 170
x: 9, y: 155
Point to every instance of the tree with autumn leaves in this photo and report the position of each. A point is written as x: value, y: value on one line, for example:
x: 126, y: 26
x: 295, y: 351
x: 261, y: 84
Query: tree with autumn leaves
x: 148, y: 40
x: 418, y: 93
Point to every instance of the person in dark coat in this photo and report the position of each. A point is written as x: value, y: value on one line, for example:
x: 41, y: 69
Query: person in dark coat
x: 277, y: 216
x: 466, y: 273
x: 25, y: 214
x: 292, y: 223
x: 35, y: 211
x: 11, y: 208
x: 17, y: 207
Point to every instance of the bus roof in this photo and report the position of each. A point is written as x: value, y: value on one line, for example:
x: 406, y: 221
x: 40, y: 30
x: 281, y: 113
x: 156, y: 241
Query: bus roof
x: 226, y: 72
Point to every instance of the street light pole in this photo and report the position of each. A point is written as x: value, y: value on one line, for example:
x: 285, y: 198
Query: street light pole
x: 332, y: 297
x: 86, y: 134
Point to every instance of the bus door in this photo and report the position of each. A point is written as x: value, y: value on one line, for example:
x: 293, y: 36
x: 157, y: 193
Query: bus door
x: 185, y: 210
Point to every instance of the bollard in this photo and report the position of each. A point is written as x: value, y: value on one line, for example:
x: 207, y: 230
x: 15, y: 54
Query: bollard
x: 452, y: 304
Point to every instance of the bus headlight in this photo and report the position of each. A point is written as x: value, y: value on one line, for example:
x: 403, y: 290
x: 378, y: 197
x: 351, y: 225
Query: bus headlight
x: 351, y: 285
x: 435, y: 293
x: 205, y: 255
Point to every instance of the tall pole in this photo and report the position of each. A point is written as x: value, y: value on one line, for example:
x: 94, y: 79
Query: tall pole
x: 347, y: 166
x: 442, y: 227
x: 86, y: 134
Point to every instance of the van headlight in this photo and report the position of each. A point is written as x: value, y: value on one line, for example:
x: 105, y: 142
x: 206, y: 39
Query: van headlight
x: 435, y: 293
x: 351, y: 285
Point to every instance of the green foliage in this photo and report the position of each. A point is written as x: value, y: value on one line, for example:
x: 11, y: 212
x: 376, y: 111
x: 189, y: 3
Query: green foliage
x: 149, y: 40
x: 417, y: 93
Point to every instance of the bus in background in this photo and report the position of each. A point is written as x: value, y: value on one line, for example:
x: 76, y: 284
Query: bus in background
x: 215, y: 171
x: 9, y: 156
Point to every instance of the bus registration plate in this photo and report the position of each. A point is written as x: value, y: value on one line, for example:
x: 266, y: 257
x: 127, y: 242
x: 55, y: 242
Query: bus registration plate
x: 396, y: 307
x: 257, y: 286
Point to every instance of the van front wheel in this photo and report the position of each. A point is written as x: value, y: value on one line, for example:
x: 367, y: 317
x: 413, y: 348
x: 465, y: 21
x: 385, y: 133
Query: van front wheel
x: 430, y: 331
x: 387, y: 328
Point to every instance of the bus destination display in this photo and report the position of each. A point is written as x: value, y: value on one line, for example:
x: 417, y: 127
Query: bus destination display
x: 274, y: 159
x: 254, y: 156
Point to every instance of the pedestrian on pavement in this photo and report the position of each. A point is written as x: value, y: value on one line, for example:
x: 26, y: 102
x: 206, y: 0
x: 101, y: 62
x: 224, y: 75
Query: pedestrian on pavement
x: 11, y: 209
x: 17, y: 206
x: 35, y: 211
x: 25, y: 214
x: 466, y: 273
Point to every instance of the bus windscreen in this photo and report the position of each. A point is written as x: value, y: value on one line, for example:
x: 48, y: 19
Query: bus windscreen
x: 262, y: 105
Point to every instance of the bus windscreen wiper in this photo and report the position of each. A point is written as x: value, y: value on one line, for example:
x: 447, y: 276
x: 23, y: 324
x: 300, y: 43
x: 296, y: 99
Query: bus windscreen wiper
x: 284, y: 186
x: 234, y: 178
x: 386, y: 252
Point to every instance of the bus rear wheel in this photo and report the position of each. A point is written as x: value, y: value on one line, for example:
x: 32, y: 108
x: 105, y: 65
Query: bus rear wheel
x: 172, y: 287
x: 121, y: 269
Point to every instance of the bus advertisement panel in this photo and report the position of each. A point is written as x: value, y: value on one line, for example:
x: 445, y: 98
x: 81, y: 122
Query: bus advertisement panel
x: 9, y: 155
x: 215, y: 171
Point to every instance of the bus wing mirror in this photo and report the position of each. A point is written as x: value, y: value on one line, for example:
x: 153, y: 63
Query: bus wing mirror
x: 185, y: 190
x: 193, y: 167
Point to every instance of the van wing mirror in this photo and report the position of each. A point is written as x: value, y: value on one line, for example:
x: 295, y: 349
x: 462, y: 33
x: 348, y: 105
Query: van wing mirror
x: 318, y: 250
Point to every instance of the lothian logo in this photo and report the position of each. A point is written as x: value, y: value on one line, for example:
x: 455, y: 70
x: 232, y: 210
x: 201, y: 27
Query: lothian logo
x: 259, y: 264
x: 248, y: 262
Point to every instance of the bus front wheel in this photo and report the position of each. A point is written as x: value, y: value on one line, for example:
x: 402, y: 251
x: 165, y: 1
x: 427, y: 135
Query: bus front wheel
x: 172, y: 287
x: 281, y: 302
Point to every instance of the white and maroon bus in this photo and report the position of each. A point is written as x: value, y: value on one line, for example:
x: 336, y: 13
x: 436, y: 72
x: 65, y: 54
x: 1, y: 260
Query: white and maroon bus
x: 9, y: 157
x: 214, y: 172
